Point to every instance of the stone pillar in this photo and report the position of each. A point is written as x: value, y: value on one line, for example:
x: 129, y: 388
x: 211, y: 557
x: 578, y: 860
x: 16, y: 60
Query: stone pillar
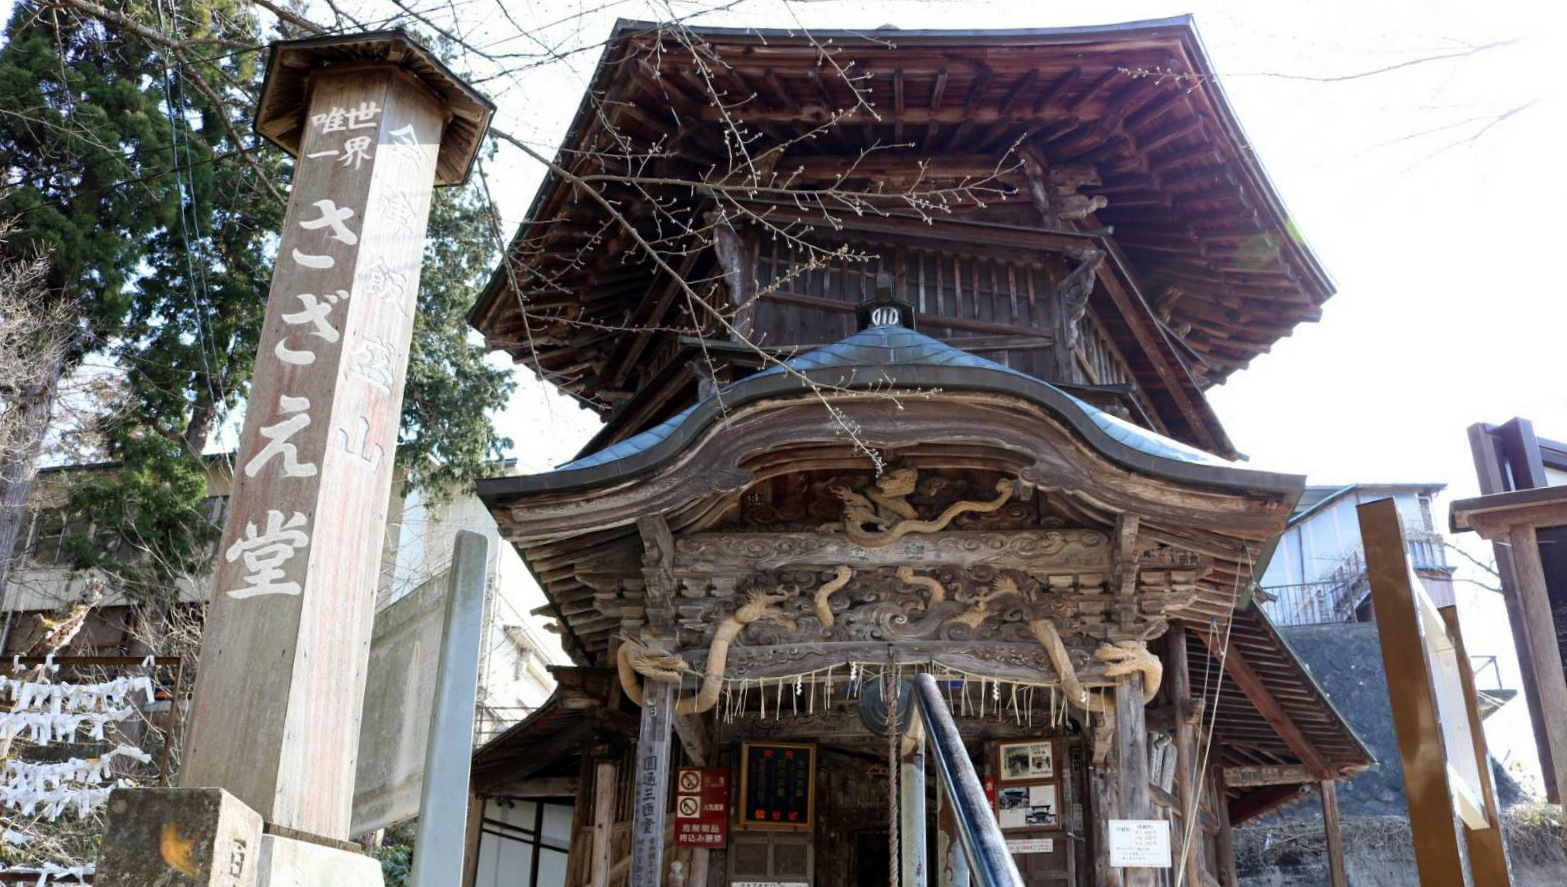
x: 443, y: 797
x: 375, y: 123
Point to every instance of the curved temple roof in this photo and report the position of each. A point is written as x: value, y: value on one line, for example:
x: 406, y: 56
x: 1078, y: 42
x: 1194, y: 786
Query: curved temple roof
x: 1195, y: 219
x: 893, y: 357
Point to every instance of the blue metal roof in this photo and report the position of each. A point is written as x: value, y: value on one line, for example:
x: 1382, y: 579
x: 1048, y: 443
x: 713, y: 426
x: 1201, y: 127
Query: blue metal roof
x: 884, y: 347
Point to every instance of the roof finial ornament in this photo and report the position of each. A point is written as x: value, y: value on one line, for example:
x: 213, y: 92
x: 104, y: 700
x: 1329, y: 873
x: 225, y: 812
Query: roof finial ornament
x: 885, y: 308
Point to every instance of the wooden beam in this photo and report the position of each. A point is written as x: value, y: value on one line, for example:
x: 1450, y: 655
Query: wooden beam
x: 938, y: 92
x: 1333, y: 833
x: 604, y: 779
x: 470, y: 859
x: 781, y: 91
x: 693, y: 734
x: 1261, y: 775
x: 1152, y: 341
x: 1053, y: 92
x: 1412, y: 696
x: 1539, y: 628
x: 651, y: 313
x: 543, y: 787
x: 1178, y: 674
x: 1262, y: 800
x: 1257, y: 693
x: 1224, y: 843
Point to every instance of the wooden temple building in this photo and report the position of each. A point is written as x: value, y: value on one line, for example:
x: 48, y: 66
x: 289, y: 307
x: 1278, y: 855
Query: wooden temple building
x: 906, y: 468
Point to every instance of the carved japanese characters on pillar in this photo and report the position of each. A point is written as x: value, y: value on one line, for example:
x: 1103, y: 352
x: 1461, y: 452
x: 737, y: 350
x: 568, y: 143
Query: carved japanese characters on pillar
x: 276, y: 718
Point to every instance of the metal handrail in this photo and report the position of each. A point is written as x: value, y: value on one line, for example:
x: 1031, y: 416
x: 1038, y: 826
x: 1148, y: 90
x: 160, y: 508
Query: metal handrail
x: 990, y: 863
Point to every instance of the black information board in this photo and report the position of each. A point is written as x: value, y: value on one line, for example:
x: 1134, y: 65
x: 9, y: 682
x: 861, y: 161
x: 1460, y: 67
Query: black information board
x: 777, y: 785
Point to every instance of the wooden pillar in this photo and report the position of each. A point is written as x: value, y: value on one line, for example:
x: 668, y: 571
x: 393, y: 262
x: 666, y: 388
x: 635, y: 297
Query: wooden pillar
x: 1488, y: 863
x: 1226, y: 841
x: 1188, y: 788
x: 1438, y: 854
x: 473, y: 835
x: 697, y: 877
x: 603, y: 820
x: 1337, y: 876
x: 1131, y: 761
x: 652, y: 784
x: 1540, y: 627
x: 911, y: 809
x: 951, y: 861
x: 1105, y: 806
x: 275, y: 719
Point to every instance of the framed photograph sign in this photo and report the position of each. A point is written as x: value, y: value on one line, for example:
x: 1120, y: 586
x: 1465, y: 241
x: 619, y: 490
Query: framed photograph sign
x: 1034, y: 806
x: 1028, y: 786
x: 1028, y: 760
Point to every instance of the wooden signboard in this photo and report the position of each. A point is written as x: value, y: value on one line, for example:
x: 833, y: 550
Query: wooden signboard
x: 777, y: 785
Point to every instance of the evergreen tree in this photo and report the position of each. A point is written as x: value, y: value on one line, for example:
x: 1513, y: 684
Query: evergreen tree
x: 186, y: 328
x: 79, y: 123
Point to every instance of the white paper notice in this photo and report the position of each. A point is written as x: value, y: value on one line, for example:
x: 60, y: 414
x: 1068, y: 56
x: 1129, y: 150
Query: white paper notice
x: 1139, y: 843
x: 1020, y: 846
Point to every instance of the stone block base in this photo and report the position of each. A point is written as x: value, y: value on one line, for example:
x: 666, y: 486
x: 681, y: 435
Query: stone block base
x: 286, y: 862
x: 179, y: 837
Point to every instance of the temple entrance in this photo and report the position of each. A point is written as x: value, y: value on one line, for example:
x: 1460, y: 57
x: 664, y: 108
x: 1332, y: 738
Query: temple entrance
x: 872, y: 861
x: 1027, y: 757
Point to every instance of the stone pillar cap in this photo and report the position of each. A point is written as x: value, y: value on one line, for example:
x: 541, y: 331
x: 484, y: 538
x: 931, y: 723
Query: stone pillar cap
x: 280, y: 114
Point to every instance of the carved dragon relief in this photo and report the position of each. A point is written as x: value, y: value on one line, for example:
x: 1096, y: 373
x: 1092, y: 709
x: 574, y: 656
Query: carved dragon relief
x: 881, y: 513
x: 802, y: 504
x: 802, y: 602
x: 896, y: 605
x: 634, y: 659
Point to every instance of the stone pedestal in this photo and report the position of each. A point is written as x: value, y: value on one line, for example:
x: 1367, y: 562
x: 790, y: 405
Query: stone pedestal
x: 179, y: 837
x: 204, y: 837
x: 286, y: 862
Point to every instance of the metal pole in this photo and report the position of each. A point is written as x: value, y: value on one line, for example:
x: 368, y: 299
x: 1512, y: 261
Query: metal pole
x: 989, y: 860
x: 443, y: 795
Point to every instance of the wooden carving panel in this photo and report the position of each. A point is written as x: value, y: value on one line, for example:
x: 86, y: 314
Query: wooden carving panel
x: 1054, y: 551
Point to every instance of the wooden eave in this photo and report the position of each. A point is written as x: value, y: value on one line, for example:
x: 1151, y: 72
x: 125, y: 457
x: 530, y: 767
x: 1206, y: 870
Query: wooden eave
x: 1194, y: 216
x: 1267, y: 712
x: 1270, y: 712
x: 574, y: 525
x: 1494, y: 516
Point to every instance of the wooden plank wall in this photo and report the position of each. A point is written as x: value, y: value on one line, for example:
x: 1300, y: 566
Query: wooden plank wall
x: 997, y: 305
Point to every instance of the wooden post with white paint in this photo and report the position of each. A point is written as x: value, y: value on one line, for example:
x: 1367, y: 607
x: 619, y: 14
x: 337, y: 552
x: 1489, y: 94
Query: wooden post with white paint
x: 911, y: 806
x: 375, y: 123
x: 652, y: 785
